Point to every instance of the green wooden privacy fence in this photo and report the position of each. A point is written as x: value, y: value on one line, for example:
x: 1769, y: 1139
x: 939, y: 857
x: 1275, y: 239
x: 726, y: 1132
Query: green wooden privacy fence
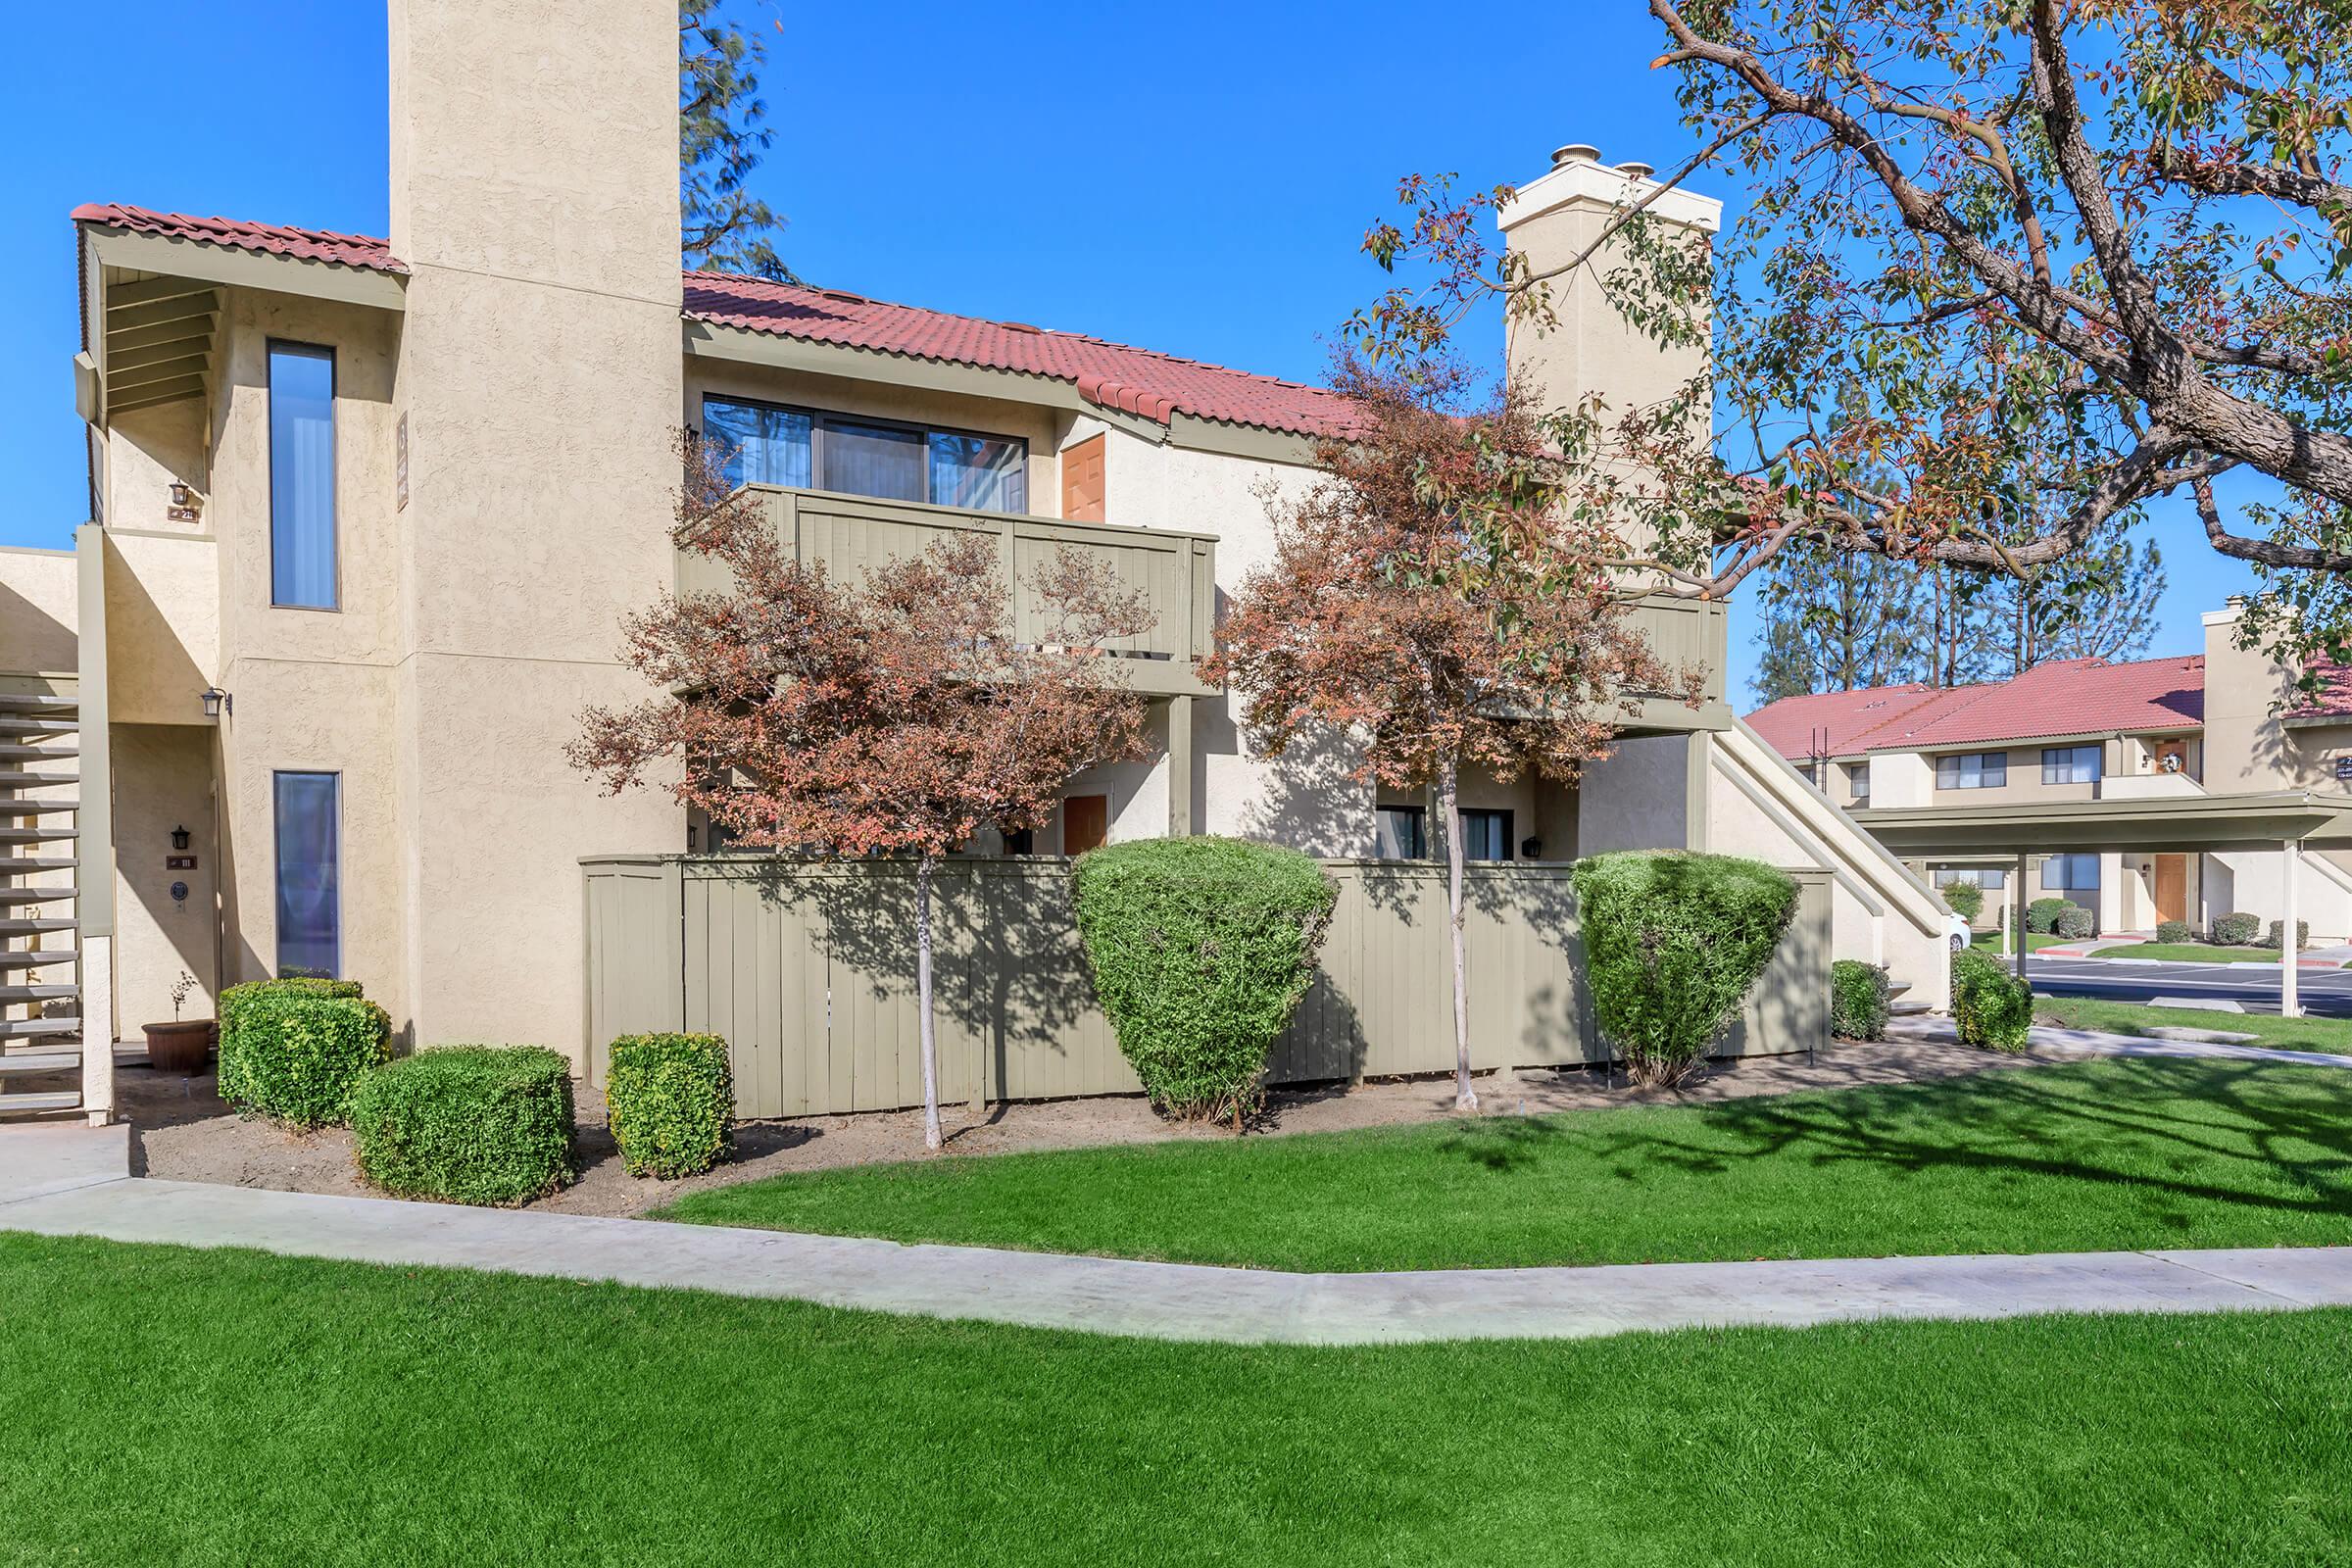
x: 808, y: 969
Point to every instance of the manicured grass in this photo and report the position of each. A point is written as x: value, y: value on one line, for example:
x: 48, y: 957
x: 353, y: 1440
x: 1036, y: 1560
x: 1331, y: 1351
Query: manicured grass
x: 2130, y: 1018
x: 2190, y: 953
x: 2080, y: 1157
x: 2036, y: 941
x: 219, y: 1408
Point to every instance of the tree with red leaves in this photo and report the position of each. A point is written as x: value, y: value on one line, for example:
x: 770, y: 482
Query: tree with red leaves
x: 896, y: 716
x: 1433, y: 599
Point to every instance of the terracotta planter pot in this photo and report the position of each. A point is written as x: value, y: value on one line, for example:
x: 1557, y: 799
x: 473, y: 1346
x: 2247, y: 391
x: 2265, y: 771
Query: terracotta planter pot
x: 180, y: 1047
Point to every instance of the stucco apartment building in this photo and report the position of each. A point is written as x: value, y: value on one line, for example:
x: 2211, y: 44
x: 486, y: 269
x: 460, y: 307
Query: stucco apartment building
x: 366, y: 514
x: 2183, y: 735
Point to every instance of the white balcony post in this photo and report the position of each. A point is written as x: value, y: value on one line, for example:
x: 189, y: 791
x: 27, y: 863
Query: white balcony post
x: 2290, y: 853
x: 2023, y: 944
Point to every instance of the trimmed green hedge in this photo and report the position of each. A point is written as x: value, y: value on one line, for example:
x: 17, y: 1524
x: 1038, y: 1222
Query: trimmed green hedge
x: 2041, y: 915
x: 1200, y: 948
x: 671, y: 1101
x: 1860, y: 999
x: 2075, y: 921
x: 1964, y: 900
x: 293, y: 1049
x: 2236, y: 929
x: 1991, y: 1008
x: 2302, y: 935
x: 2172, y: 930
x: 1673, y: 941
x: 467, y: 1124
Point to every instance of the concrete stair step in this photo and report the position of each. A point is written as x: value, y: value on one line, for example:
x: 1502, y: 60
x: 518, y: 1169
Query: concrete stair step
x: 39, y: 724
x: 38, y: 1063
x: 35, y: 1028
x: 17, y: 897
x: 37, y: 703
x: 19, y: 781
x: 1909, y: 1009
x: 39, y: 1105
x: 20, y: 751
x: 38, y: 835
x: 36, y: 925
x: 54, y: 806
x: 32, y: 992
x: 35, y: 957
x: 19, y: 865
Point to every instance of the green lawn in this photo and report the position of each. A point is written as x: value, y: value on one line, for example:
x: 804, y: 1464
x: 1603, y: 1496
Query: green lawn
x: 2036, y: 941
x: 2190, y: 953
x: 2102, y: 1154
x: 2130, y: 1018
x: 230, y: 1408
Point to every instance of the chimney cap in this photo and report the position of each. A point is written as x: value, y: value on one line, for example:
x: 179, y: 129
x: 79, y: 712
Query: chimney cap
x: 1576, y: 152
x: 1634, y: 168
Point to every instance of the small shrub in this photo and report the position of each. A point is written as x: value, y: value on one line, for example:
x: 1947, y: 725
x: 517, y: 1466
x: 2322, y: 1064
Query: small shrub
x: 294, y: 1050
x: 1199, y: 947
x: 467, y: 1124
x: 2075, y: 921
x: 2172, y: 930
x: 1673, y: 941
x: 1964, y: 900
x: 2041, y: 915
x: 671, y: 1100
x: 1860, y: 999
x: 2270, y: 938
x: 1992, y: 1009
x: 2236, y: 929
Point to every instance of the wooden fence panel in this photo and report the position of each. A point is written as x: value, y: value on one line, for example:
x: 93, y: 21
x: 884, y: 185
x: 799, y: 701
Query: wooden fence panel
x: 808, y: 970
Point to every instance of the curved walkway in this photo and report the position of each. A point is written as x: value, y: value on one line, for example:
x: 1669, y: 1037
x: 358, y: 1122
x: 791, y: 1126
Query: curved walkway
x: 75, y: 1181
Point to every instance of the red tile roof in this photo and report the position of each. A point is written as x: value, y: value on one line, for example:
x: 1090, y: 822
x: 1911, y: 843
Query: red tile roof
x: 2070, y: 697
x: 1143, y: 382
x: 272, y: 239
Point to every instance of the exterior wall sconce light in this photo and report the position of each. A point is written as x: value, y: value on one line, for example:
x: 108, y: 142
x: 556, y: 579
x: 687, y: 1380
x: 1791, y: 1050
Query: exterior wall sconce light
x: 180, y: 838
x: 186, y: 504
x: 217, y: 702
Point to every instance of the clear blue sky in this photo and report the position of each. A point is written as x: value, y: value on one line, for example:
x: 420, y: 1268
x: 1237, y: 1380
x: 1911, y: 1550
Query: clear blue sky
x: 1194, y: 179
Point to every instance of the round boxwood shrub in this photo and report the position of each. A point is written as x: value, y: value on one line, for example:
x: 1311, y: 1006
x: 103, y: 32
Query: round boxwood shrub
x: 1673, y: 941
x: 2302, y: 935
x: 2236, y: 929
x: 1860, y: 999
x: 293, y: 1049
x: 2041, y: 915
x: 1964, y: 900
x: 2172, y: 930
x: 1992, y: 1009
x: 1200, y: 948
x: 671, y: 1101
x: 2075, y: 921
x: 467, y: 1124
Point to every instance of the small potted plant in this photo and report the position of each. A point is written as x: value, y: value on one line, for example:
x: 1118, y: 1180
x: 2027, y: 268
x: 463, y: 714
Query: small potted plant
x: 182, y: 1045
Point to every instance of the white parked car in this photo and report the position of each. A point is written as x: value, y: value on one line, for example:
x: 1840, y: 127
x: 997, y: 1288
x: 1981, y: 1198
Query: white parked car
x: 1957, y: 930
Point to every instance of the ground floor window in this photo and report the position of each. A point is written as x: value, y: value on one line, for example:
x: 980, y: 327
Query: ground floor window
x: 309, y: 894
x: 2071, y: 874
x: 1486, y: 835
x: 1991, y: 879
x: 1403, y: 833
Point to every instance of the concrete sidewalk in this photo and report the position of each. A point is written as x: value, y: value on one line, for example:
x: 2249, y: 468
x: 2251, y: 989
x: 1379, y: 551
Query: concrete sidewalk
x: 75, y: 1182
x: 2082, y: 1044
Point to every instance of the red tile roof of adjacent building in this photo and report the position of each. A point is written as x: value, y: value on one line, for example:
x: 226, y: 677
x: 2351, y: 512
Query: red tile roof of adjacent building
x: 1143, y: 382
x: 2067, y: 697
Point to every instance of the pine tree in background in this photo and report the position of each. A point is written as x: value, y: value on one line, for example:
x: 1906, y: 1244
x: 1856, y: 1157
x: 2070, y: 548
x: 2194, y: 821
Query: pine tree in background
x: 722, y: 132
x: 1834, y: 621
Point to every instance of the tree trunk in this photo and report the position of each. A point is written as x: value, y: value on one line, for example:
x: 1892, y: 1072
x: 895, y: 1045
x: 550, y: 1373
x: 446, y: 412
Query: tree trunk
x: 932, y: 1137
x: 1449, y: 810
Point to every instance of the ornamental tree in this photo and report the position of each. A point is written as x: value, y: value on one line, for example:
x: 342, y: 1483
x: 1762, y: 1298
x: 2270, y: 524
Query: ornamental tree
x: 896, y: 716
x: 1432, y: 598
x: 2002, y: 274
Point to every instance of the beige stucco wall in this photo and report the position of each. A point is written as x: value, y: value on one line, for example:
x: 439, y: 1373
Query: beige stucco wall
x: 162, y: 780
x: 37, y: 609
x: 148, y: 451
x: 163, y: 629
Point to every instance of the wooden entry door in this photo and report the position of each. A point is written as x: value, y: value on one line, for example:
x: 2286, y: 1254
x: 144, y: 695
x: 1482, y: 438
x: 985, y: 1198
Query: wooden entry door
x: 2172, y: 886
x: 1085, y: 823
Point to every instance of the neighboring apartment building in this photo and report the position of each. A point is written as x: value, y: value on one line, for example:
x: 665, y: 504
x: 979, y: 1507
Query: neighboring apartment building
x: 366, y: 515
x: 2166, y: 733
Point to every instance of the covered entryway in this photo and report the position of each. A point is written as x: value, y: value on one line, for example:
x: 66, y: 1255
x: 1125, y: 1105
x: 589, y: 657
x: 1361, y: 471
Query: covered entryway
x: 2170, y: 887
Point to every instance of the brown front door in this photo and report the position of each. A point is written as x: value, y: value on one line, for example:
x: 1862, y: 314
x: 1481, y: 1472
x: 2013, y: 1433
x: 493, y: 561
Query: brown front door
x: 1085, y: 823
x: 2172, y: 886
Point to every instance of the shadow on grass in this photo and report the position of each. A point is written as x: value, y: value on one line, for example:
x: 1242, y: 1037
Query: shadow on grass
x: 2025, y: 1122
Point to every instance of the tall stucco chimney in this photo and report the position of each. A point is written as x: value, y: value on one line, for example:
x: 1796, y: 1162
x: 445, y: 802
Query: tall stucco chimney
x: 1592, y: 348
x: 534, y: 185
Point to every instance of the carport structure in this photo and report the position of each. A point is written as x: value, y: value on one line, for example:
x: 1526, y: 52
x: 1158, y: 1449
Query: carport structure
x: 2285, y: 820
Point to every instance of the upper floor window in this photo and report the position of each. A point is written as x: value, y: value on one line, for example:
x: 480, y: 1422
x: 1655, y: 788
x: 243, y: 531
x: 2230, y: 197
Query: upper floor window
x: 1857, y: 780
x: 764, y: 444
x: 2069, y: 765
x: 302, y: 476
x: 1977, y: 770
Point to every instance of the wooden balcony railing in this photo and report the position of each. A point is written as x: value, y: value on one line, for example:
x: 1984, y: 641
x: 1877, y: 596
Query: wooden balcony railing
x: 1176, y: 571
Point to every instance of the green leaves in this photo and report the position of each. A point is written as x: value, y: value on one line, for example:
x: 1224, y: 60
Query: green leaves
x: 467, y: 1124
x: 671, y: 1101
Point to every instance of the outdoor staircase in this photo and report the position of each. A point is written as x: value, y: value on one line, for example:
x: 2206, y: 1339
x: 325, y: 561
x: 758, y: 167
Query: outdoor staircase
x: 40, y: 950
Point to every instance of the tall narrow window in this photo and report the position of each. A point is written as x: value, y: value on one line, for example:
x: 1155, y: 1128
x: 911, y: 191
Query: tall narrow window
x: 310, y: 901
x: 302, y: 476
